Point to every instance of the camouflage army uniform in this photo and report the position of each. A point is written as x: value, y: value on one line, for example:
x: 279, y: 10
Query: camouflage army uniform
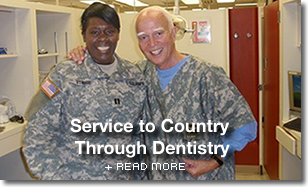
x: 198, y: 92
x: 90, y: 95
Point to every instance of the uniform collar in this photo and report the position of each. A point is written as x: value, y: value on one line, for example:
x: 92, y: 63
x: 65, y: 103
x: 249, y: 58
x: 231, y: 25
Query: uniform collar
x: 95, y: 72
x: 154, y: 70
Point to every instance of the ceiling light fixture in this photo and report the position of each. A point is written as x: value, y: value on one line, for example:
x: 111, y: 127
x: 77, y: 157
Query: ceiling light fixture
x: 190, y: 2
x: 135, y: 3
x: 90, y: 2
x: 225, y: 1
x: 247, y: 4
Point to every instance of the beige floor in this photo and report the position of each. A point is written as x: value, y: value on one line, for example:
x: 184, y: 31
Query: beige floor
x: 250, y: 173
x: 251, y: 176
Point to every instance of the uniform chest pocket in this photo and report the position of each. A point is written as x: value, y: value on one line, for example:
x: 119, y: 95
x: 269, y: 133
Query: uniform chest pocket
x: 197, y: 127
x: 81, y: 95
x: 127, y: 93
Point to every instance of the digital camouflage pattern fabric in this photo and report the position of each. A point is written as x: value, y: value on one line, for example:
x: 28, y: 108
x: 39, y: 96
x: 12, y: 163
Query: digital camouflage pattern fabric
x: 199, y: 92
x: 90, y: 95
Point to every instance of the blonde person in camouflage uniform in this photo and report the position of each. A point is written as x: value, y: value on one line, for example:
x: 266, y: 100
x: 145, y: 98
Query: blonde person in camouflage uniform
x: 186, y: 89
x: 104, y: 87
x: 189, y: 90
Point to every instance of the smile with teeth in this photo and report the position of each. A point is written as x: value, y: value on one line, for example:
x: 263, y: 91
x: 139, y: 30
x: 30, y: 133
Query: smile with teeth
x: 156, y: 52
x: 103, y: 49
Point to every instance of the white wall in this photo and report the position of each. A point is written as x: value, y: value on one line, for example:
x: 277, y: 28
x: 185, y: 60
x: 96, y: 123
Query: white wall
x: 76, y: 34
x: 290, y: 52
x: 128, y: 44
x: 216, y: 52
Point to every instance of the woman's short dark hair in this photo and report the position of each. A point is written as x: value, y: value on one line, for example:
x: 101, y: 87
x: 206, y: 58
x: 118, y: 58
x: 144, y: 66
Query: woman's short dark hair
x: 103, y: 11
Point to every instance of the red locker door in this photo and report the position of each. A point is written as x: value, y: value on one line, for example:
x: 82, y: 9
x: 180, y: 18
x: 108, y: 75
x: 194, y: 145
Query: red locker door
x: 271, y: 88
x: 244, y: 70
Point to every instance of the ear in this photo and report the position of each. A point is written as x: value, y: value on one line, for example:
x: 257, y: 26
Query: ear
x: 173, y: 33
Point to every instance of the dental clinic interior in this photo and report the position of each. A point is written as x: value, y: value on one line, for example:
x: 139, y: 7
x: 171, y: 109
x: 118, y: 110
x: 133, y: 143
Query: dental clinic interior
x: 256, y: 42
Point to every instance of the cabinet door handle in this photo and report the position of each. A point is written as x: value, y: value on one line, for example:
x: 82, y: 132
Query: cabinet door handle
x: 235, y: 35
x: 66, y: 43
x: 56, y: 46
x: 265, y: 63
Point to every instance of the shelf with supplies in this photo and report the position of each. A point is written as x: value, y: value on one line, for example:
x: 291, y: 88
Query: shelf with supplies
x: 28, y: 28
x: 2, y: 56
x: 11, y: 137
x: 9, y: 30
x: 17, y: 64
x: 53, y: 36
x: 48, y: 55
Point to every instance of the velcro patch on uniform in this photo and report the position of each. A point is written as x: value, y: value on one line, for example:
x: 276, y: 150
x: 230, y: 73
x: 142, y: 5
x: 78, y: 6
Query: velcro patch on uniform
x: 49, y: 88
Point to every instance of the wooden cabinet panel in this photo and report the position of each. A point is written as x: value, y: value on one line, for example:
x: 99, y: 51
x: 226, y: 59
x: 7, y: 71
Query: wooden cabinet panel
x: 271, y: 89
x: 244, y: 69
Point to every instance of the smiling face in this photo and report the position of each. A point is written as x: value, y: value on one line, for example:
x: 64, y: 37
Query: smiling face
x: 156, y: 38
x: 101, y: 39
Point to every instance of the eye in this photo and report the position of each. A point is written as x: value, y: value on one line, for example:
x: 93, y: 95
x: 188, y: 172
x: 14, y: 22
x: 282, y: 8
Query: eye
x: 94, y: 32
x: 143, y: 37
x: 158, y: 34
x: 110, y: 32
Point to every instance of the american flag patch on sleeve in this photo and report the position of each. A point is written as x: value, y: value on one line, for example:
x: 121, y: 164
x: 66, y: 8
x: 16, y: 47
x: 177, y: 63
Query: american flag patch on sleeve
x: 49, y: 88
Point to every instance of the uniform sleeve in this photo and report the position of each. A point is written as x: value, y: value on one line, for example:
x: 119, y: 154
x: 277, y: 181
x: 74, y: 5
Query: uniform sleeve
x: 239, y: 138
x: 230, y: 106
x: 42, y: 136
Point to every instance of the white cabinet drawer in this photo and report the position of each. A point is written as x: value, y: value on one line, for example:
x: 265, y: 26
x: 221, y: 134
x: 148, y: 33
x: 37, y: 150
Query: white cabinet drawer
x: 286, y: 140
x: 11, y: 138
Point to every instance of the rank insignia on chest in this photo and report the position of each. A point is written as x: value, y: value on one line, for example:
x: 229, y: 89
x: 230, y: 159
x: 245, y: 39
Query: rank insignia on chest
x: 116, y: 102
x: 49, y: 88
x: 191, y: 135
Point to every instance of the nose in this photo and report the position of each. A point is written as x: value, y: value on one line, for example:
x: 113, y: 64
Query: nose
x: 103, y: 37
x: 152, y: 41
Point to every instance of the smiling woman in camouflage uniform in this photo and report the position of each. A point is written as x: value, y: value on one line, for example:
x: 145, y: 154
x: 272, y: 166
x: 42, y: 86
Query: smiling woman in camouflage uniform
x: 104, y: 87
